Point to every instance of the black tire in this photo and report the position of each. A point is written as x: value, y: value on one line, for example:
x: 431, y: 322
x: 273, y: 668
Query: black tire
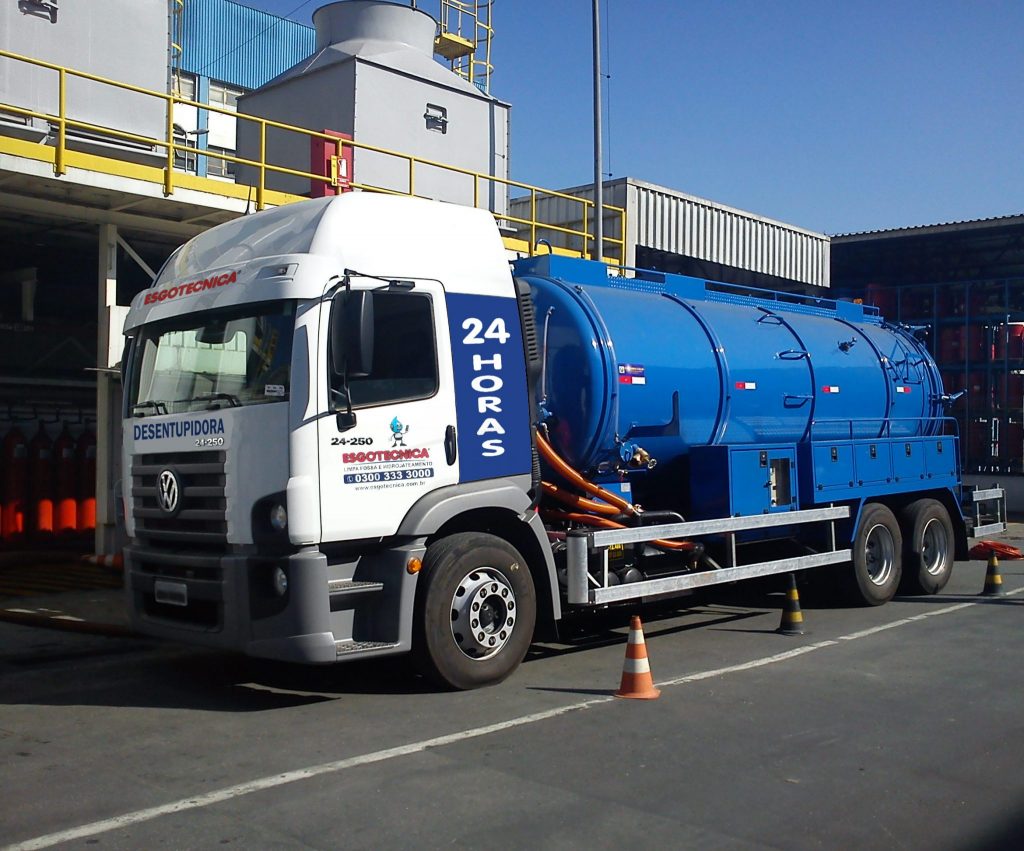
x: 877, y: 557
x: 475, y: 611
x: 928, y: 547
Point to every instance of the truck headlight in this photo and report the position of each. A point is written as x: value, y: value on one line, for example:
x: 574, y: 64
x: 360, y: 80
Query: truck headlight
x: 278, y: 518
x: 280, y: 581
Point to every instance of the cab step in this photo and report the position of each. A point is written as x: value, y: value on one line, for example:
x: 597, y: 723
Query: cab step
x: 352, y: 586
x: 343, y: 648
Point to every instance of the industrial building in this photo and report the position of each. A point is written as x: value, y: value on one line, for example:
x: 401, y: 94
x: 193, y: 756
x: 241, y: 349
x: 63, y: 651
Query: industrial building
x: 963, y: 284
x: 113, y: 152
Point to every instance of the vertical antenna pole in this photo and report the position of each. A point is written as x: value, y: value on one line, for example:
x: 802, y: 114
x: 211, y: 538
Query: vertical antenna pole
x: 598, y: 252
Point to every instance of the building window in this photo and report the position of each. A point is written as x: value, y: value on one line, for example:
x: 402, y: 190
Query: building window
x: 183, y: 160
x: 216, y: 167
x: 225, y: 96
x: 185, y: 86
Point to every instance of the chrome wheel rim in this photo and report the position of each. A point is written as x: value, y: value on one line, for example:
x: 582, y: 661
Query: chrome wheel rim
x: 879, y: 554
x: 934, y: 547
x: 483, y: 613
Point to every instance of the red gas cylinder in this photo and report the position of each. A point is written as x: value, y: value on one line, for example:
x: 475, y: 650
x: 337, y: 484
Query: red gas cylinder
x: 65, y: 482
x: 882, y: 297
x: 14, y: 486
x: 976, y: 390
x: 979, y: 441
x: 1015, y: 392
x: 1012, y: 449
x: 85, y: 457
x: 975, y: 340
x: 1010, y: 342
x: 40, y: 484
x: 949, y: 344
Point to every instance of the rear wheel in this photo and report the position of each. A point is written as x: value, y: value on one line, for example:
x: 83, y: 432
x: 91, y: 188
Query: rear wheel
x: 475, y: 611
x: 877, y: 557
x: 928, y: 547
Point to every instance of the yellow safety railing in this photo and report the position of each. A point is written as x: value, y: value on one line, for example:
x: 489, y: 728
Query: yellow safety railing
x: 170, y: 177
x: 464, y: 33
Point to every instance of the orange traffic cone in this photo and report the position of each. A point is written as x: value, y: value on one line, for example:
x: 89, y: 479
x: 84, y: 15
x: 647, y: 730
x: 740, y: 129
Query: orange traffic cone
x: 636, y: 671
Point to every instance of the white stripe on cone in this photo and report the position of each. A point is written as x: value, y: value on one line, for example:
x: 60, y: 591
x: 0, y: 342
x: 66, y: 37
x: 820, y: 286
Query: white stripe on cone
x: 636, y: 666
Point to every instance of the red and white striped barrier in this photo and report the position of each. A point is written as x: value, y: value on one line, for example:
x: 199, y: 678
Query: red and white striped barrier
x: 115, y: 561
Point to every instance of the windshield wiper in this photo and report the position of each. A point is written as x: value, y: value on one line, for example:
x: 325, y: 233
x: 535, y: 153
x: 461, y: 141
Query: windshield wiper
x: 154, y: 404
x: 217, y: 397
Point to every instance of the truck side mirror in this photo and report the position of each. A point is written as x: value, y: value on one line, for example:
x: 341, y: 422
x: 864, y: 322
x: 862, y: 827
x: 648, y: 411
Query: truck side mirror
x: 351, y: 333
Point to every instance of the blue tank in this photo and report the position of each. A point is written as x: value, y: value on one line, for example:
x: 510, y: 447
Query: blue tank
x: 664, y: 363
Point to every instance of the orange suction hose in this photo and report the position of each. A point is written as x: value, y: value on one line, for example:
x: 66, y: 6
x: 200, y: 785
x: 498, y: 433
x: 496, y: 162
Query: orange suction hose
x: 574, y: 501
x: 567, y: 472
x: 605, y: 523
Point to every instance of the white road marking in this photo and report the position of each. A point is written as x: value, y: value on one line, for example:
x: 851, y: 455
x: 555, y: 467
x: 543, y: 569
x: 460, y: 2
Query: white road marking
x: 259, y: 785
x: 864, y: 633
x: 746, y: 666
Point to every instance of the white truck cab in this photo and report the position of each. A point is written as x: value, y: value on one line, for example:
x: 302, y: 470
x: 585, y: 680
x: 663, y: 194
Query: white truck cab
x: 312, y: 394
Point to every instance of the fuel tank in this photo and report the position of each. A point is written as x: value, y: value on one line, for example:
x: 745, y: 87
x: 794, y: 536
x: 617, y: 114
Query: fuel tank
x: 654, y: 364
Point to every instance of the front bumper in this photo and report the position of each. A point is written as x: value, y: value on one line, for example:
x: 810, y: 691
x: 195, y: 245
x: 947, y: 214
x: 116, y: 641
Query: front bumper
x: 230, y: 603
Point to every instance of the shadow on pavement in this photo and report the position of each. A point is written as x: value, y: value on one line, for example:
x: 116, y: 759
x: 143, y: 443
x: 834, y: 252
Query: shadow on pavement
x: 1005, y: 836
x: 91, y: 672
x: 608, y: 628
x: 943, y: 599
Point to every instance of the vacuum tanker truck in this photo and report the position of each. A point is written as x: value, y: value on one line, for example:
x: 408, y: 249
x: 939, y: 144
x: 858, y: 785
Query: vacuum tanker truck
x: 352, y: 428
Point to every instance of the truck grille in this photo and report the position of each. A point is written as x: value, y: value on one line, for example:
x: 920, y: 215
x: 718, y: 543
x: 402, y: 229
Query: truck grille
x: 201, y: 519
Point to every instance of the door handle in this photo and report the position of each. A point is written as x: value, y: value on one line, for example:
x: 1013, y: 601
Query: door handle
x: 451, y: 447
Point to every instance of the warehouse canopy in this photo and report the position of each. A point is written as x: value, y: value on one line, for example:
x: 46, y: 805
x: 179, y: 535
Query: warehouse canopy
x: 957, y: 251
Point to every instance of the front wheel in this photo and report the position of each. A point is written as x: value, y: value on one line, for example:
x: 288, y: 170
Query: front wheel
x: 928, y: 550
x: 475, y: 611
x: 877, y: 557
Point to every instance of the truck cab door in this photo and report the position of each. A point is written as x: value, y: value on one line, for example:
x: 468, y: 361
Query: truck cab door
x: 403, y: 443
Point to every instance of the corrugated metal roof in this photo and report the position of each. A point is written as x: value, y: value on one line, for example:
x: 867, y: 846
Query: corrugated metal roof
x: 967, y: 224
x: 667, y: 220
x: 235, y: 44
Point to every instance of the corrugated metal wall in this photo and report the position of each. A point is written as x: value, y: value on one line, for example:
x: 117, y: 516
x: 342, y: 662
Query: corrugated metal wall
x: 238, y: 45
x: 681, y: 224
x: 665, y: 220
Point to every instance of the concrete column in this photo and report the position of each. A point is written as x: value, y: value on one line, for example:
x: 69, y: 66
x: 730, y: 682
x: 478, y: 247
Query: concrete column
x: 26, y: 280
x: 28, y: 297
x: 108, y: 392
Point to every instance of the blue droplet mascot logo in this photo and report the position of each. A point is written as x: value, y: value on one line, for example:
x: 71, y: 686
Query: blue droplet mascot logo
x: 398, y: 432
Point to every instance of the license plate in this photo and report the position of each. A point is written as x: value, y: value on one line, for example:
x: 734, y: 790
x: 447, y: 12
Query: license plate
x: 171, y: 593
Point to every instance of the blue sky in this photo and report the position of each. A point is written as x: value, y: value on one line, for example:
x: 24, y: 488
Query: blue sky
x: 835, y: 116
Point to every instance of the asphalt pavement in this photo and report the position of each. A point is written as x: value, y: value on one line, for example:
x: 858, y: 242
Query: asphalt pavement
x: 890, y: 727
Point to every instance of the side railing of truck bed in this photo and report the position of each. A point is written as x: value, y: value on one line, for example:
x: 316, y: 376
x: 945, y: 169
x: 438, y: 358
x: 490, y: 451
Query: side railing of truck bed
x: 586, y: 588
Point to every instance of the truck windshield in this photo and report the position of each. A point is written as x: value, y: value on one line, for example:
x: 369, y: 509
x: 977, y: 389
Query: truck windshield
x: 217, y: 359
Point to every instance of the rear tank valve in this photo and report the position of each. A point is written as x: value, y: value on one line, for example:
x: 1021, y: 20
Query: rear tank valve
x: 636, y: 457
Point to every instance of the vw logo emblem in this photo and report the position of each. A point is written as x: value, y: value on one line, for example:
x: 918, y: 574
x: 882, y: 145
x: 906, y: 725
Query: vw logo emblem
x: 167, y: 491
